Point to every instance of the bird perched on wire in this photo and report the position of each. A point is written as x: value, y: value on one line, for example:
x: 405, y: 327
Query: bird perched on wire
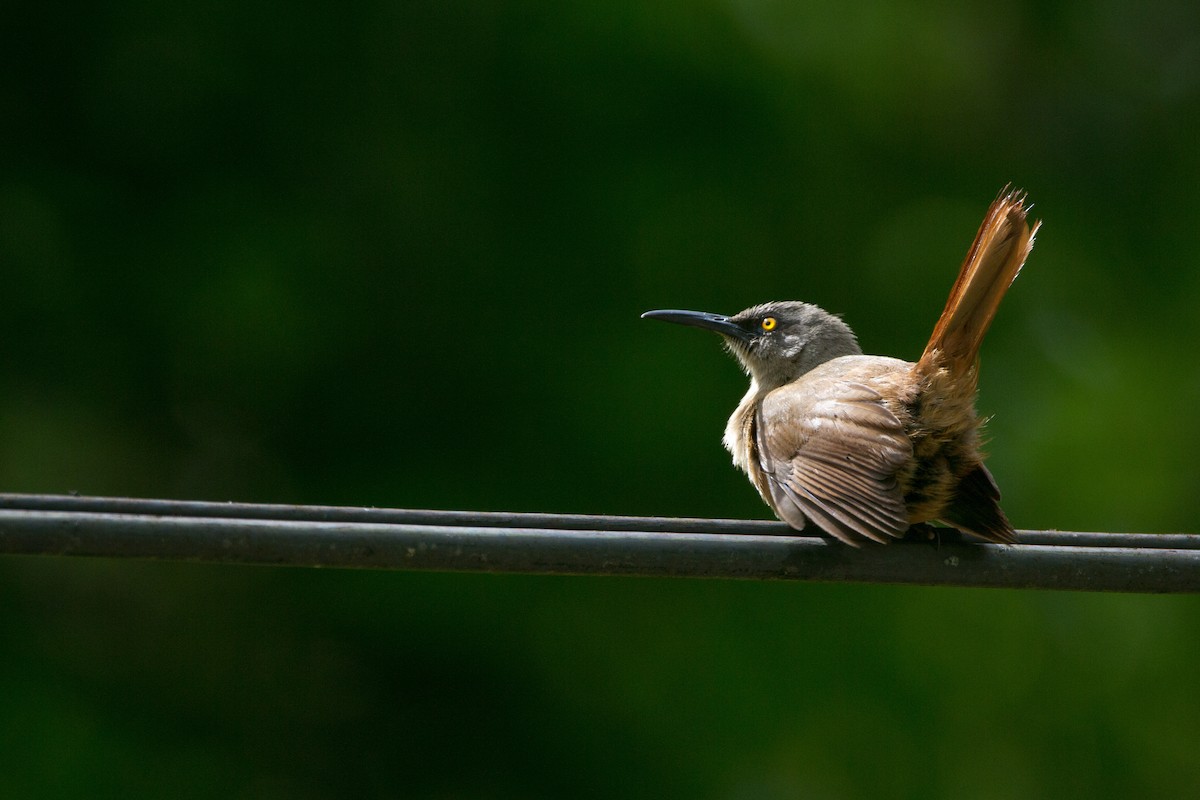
x: 866, y: 446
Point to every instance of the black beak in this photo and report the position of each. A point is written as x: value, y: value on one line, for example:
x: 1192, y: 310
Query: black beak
x: 702, y: 319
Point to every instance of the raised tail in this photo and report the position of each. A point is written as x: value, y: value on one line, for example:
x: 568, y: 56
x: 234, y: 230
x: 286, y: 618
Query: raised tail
x: 1000, y: 248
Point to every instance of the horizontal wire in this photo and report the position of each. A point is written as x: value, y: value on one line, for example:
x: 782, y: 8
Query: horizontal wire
x: 329, y: 536
x: 509, y: 519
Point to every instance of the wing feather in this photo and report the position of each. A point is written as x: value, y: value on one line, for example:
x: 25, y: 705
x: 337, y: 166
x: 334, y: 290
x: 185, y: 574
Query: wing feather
x: 831, y: 453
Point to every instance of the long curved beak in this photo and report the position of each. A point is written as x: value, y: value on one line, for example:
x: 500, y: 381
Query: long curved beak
x: 701, y: 319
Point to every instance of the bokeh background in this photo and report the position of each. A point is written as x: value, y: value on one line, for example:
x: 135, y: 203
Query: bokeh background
x: 393, y: 254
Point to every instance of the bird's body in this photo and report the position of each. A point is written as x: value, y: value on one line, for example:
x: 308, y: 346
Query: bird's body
x: 865, y: 446
x: 857, y: 423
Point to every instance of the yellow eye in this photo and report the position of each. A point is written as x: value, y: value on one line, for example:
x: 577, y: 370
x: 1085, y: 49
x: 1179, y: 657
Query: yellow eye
x: 769, y: 323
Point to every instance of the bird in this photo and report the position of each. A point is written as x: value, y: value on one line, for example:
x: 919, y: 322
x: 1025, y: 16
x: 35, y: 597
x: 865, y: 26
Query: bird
x: 864, y: 447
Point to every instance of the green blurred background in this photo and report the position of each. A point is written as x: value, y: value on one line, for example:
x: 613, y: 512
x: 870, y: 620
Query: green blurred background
x: 394, y: 255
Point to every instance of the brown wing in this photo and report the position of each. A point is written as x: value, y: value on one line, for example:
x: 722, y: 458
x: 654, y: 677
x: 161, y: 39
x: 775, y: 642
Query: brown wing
x: 831, y: 453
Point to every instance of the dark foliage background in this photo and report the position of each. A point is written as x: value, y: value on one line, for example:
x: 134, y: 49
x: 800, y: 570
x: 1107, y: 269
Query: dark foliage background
x: 393, y: 254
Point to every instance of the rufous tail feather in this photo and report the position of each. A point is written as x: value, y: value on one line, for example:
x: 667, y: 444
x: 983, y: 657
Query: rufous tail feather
x: 996, y: 256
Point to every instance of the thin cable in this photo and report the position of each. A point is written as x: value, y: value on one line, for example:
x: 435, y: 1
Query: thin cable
x: 316, y: 536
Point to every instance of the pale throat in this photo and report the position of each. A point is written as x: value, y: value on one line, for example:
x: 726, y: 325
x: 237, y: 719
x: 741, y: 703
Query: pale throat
x: 735, y: 438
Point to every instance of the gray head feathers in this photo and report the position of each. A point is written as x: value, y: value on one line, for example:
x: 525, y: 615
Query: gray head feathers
x: 784, y: 340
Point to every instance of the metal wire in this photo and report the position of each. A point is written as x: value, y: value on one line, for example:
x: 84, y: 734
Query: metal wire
x: 572, y: 544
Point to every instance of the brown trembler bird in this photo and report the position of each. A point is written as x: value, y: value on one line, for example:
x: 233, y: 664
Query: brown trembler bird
x: 866, y: 446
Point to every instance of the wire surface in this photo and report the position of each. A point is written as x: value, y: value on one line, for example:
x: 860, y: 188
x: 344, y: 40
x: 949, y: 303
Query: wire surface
x: 573, y: 544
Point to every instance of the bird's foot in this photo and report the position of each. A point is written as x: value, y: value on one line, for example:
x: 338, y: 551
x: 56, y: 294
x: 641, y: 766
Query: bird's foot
x: 933, y: 534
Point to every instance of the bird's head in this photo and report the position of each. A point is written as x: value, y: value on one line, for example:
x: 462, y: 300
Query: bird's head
x: 775, y: 342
